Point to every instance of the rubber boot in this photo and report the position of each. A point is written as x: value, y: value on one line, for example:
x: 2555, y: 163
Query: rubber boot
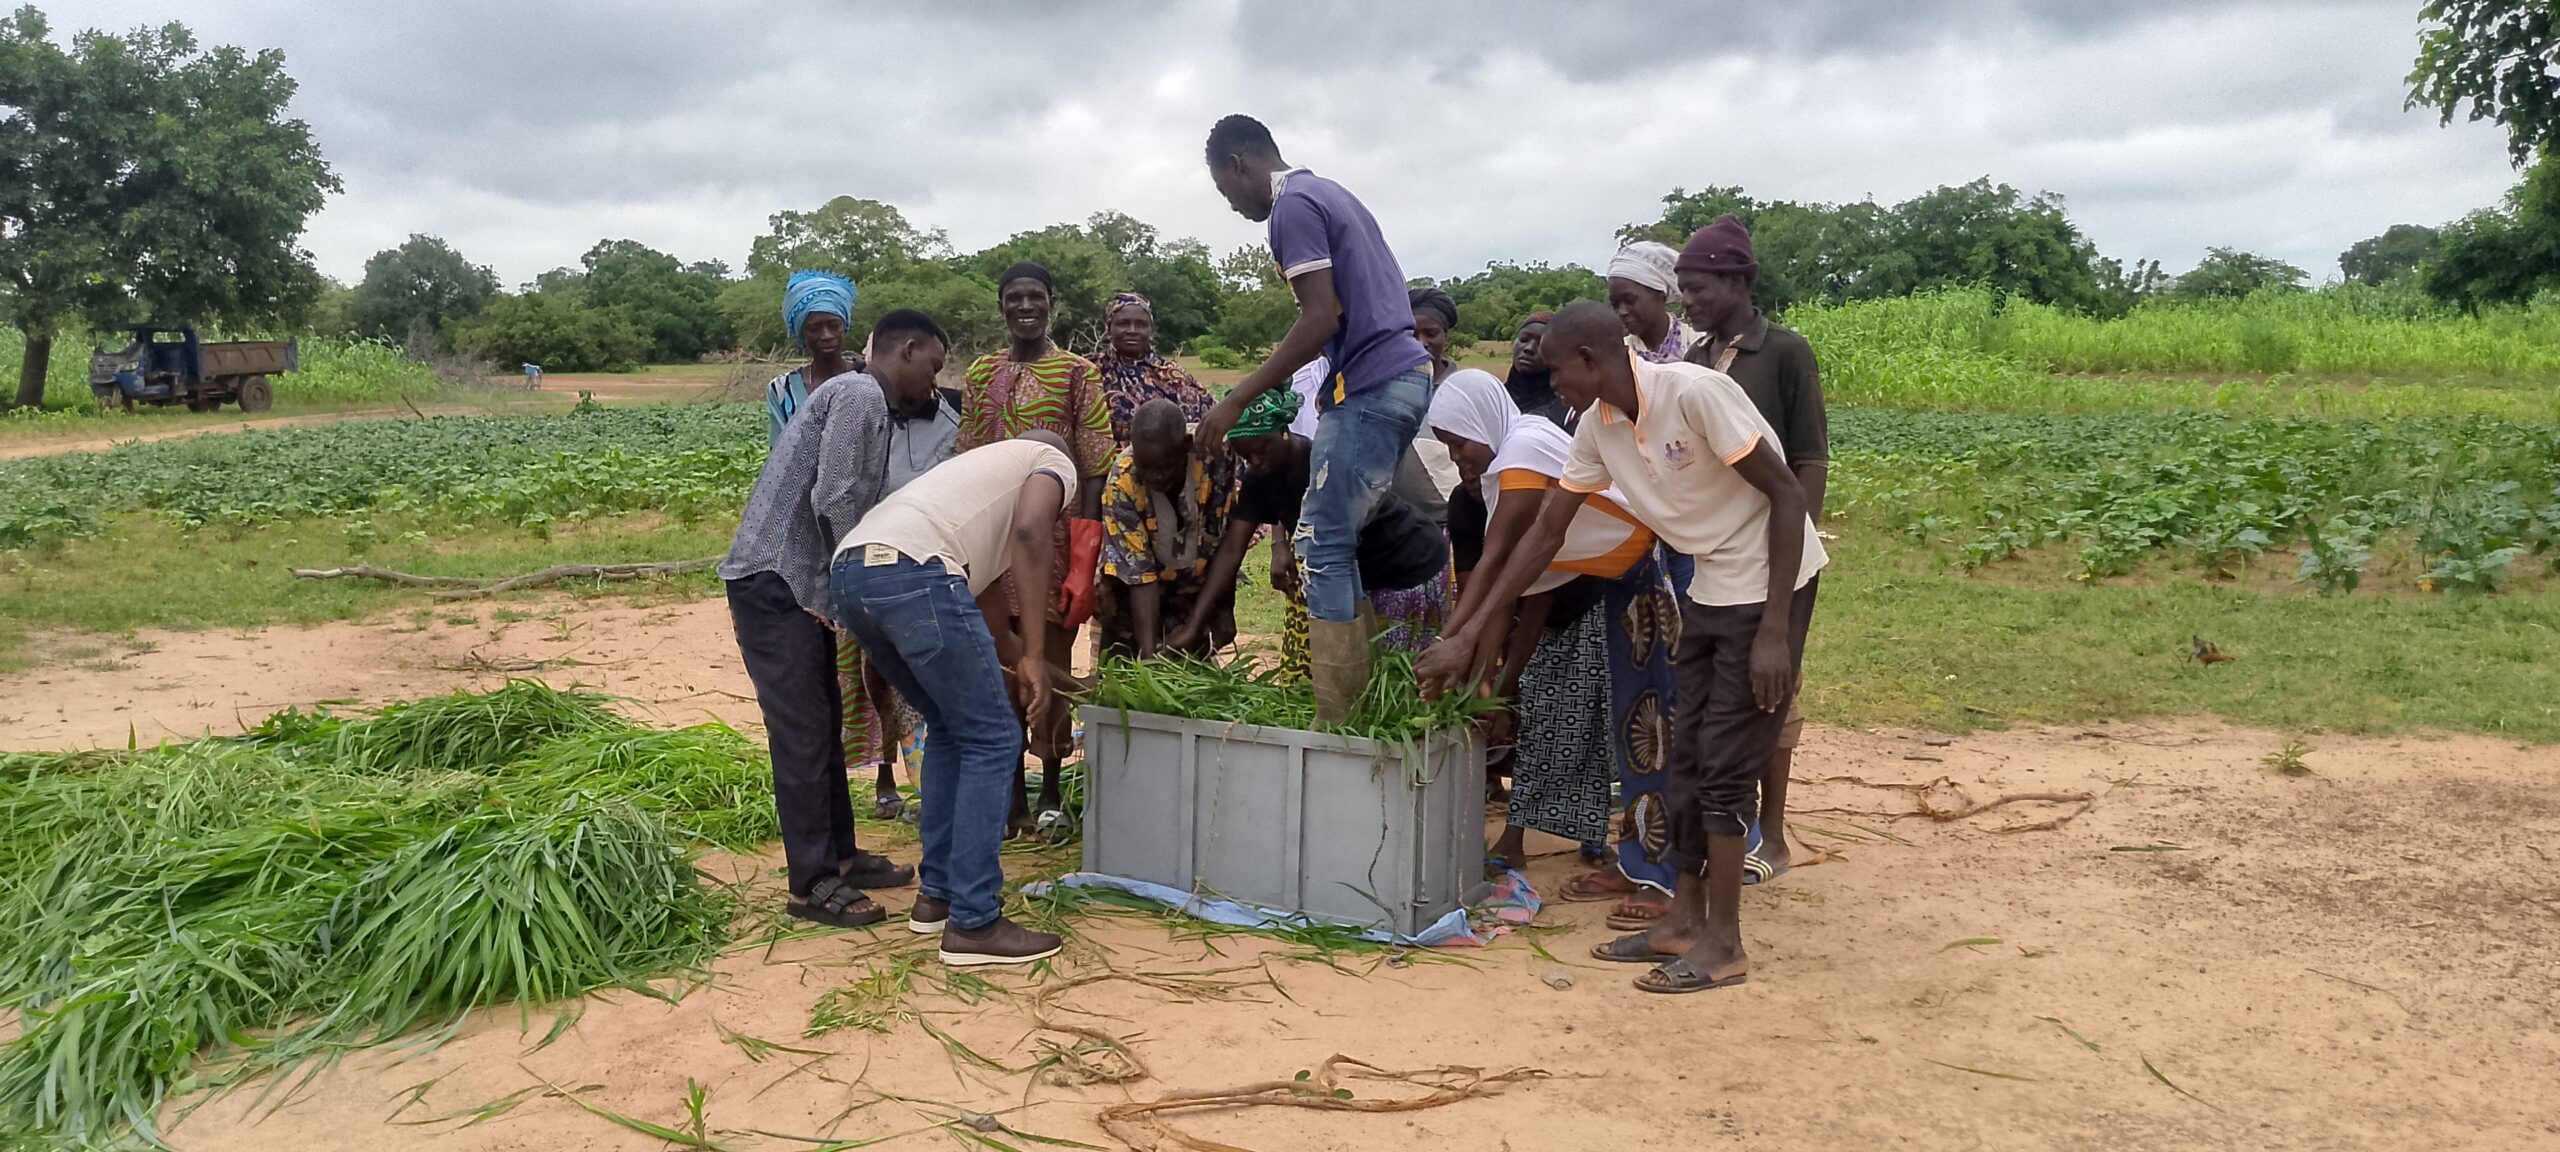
x: 1338, y: 663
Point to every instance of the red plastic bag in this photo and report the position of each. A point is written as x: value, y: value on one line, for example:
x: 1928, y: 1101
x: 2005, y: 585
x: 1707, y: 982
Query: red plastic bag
x: 1083, y: 558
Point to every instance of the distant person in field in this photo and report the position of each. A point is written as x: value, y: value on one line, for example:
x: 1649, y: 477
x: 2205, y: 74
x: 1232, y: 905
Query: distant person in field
x: 1399, y: 548
x: 1641, y: 283
x: 827, y: 469
x: 1164, y: 515
x: 1353, y: 310
x: 917, y: 582
x: 1696, y: 464
x: 1776, y: 368
x: 1031, y: 386
x: 532, y: 376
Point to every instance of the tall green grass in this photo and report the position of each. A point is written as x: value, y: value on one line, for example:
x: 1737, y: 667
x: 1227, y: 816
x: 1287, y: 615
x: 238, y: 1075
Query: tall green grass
x: 181, y: 917
x: 2337, y: 352
x: 343, y: 370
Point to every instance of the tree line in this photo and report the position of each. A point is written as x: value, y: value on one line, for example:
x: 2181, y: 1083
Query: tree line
x: 146, y: 177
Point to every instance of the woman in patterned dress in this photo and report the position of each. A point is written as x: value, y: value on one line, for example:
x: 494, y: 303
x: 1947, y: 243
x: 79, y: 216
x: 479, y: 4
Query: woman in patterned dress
x: 1134, y: 373
x: 1035, y: 385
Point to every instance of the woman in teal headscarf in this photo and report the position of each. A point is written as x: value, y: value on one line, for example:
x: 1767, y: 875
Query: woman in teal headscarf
x: 817, y: 309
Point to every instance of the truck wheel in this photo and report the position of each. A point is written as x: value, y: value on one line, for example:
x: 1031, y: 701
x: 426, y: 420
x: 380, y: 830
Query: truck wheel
x: 255, y: 396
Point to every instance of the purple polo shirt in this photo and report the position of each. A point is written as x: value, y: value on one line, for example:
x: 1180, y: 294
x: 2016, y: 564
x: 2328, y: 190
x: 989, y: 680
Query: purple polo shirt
x: 1316, y: 223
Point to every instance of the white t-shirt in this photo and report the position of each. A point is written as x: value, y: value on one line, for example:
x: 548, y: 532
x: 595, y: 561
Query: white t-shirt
x: 1304, y: 382
x: 1603, y: 540
x: 961, y: 511
x: 1673, y: 464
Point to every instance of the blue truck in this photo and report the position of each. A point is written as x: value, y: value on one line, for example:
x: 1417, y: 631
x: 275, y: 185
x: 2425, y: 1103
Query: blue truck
x: 167, y: 365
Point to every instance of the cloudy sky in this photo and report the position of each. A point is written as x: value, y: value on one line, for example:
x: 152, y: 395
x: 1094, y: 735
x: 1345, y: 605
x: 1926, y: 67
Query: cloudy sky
x: 524, y: 130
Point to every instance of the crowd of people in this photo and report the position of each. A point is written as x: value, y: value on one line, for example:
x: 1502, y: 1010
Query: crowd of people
x: 1616, y: 535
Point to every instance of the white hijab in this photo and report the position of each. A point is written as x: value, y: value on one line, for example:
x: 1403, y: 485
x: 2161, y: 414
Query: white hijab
x: 1472, y: 405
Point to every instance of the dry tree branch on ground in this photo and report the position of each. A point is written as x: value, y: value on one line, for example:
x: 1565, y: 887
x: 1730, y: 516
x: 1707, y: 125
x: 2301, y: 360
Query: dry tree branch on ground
x: 467, y: 587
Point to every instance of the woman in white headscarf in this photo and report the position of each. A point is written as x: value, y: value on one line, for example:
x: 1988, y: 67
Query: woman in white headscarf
x: 1593, y: 685
x: 1641, y: 284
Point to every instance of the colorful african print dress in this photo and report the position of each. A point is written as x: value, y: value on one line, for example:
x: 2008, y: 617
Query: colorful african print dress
x: 1126, y: 384
x: 1644, y: 629
x: 1060, y: 392
x: 1136, y: 545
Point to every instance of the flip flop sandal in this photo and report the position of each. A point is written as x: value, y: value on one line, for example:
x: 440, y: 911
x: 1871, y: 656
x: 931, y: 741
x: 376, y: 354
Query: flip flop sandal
x: 889, y: 808
x: 836, y: 904
x: 1053, y: 827
x: 871, y: 870
x: 1584, y: 889
x: 1754, y: 869
x: 1680, y: 977
x: 1625, y: 918
x: 1495, y: 867
x: 1633, y: 949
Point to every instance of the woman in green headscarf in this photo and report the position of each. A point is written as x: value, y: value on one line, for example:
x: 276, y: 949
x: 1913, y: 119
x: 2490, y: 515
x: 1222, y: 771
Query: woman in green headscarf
x: 1399, y: 547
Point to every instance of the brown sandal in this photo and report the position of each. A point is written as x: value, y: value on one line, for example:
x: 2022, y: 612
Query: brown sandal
x: 1595, y: 886
x: 1635, y: 914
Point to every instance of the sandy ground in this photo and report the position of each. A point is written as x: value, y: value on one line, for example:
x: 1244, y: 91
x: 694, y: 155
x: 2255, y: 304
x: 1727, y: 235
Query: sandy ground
x: 2358, y: 957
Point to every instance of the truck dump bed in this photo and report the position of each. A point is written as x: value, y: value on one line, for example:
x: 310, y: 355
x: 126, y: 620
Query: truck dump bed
x: 250, y: 358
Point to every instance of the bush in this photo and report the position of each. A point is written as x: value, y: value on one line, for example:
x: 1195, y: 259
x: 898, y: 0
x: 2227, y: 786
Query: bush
x: 553, y: 330
x: 2264, y: 347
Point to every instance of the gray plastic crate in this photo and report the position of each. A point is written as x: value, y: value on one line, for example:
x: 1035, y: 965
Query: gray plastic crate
x: 1299, y: 821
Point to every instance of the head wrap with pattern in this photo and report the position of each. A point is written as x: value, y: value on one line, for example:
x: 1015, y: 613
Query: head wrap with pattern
x: 812, y: 292
x: 1268, y: 413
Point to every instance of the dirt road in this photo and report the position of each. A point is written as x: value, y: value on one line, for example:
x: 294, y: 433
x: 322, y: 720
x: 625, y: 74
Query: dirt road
x: 2213, y: 955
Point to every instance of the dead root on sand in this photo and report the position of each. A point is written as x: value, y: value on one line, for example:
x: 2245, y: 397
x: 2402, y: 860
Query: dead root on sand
x: 1962, y: 806
x: 1141, y: 1125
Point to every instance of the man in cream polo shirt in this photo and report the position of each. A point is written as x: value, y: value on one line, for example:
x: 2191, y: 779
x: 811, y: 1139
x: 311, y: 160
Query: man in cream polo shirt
x: 1695, y: 462
x: 907, y: 583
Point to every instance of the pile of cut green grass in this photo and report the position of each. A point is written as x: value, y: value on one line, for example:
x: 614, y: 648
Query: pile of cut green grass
x: 1236, y: 692
x: 181, y: 917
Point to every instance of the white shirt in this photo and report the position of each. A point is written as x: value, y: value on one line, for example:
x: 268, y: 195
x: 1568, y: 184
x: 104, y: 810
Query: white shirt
x: 1304, y: 382
x: 1604, y: 539
x: 961, y: 511
x: 1674, y: 465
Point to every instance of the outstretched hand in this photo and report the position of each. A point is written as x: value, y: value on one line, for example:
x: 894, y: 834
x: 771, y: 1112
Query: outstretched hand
x: 1210, y: 438
x: 1449, y: 663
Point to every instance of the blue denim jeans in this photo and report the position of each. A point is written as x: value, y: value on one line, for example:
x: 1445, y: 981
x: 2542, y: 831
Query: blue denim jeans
x: 921, y: 628
x: 1359, y: 443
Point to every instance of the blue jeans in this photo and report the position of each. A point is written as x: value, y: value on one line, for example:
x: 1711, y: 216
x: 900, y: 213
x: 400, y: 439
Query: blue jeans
x: 921, y: 628
x: 1359, y: 442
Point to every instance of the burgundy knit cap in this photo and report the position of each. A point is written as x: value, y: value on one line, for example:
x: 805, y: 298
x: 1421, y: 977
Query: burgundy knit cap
x: 1724, y: 246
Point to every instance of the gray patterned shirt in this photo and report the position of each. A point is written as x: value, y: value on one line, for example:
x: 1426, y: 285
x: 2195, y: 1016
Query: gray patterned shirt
x: 827, y: 469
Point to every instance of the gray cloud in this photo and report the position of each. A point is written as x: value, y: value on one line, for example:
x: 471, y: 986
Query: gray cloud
x: 524, y: 131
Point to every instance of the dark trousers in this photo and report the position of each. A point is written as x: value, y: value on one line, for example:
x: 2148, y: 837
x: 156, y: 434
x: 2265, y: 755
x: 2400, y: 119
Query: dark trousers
x: 1720, y: 739
x: 791, y: 659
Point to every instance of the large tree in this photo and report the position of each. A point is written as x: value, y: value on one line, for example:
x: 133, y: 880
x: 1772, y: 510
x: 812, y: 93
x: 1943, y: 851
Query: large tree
x: 857, y: 238
x: 2228, y: 273
x: 2397, y: 252
x: 1975, y: 233
x: 2499, y: 57
x: 142, y: 176
x: 2504, y: 255
x: 414, y: 291
x: 677, y: 305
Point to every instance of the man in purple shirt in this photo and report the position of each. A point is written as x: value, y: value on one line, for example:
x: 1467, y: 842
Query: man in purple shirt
x: 1352, y: 310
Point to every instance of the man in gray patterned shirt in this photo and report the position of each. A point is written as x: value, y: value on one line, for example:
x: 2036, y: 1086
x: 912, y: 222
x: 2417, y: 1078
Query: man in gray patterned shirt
x: 827, y: 469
